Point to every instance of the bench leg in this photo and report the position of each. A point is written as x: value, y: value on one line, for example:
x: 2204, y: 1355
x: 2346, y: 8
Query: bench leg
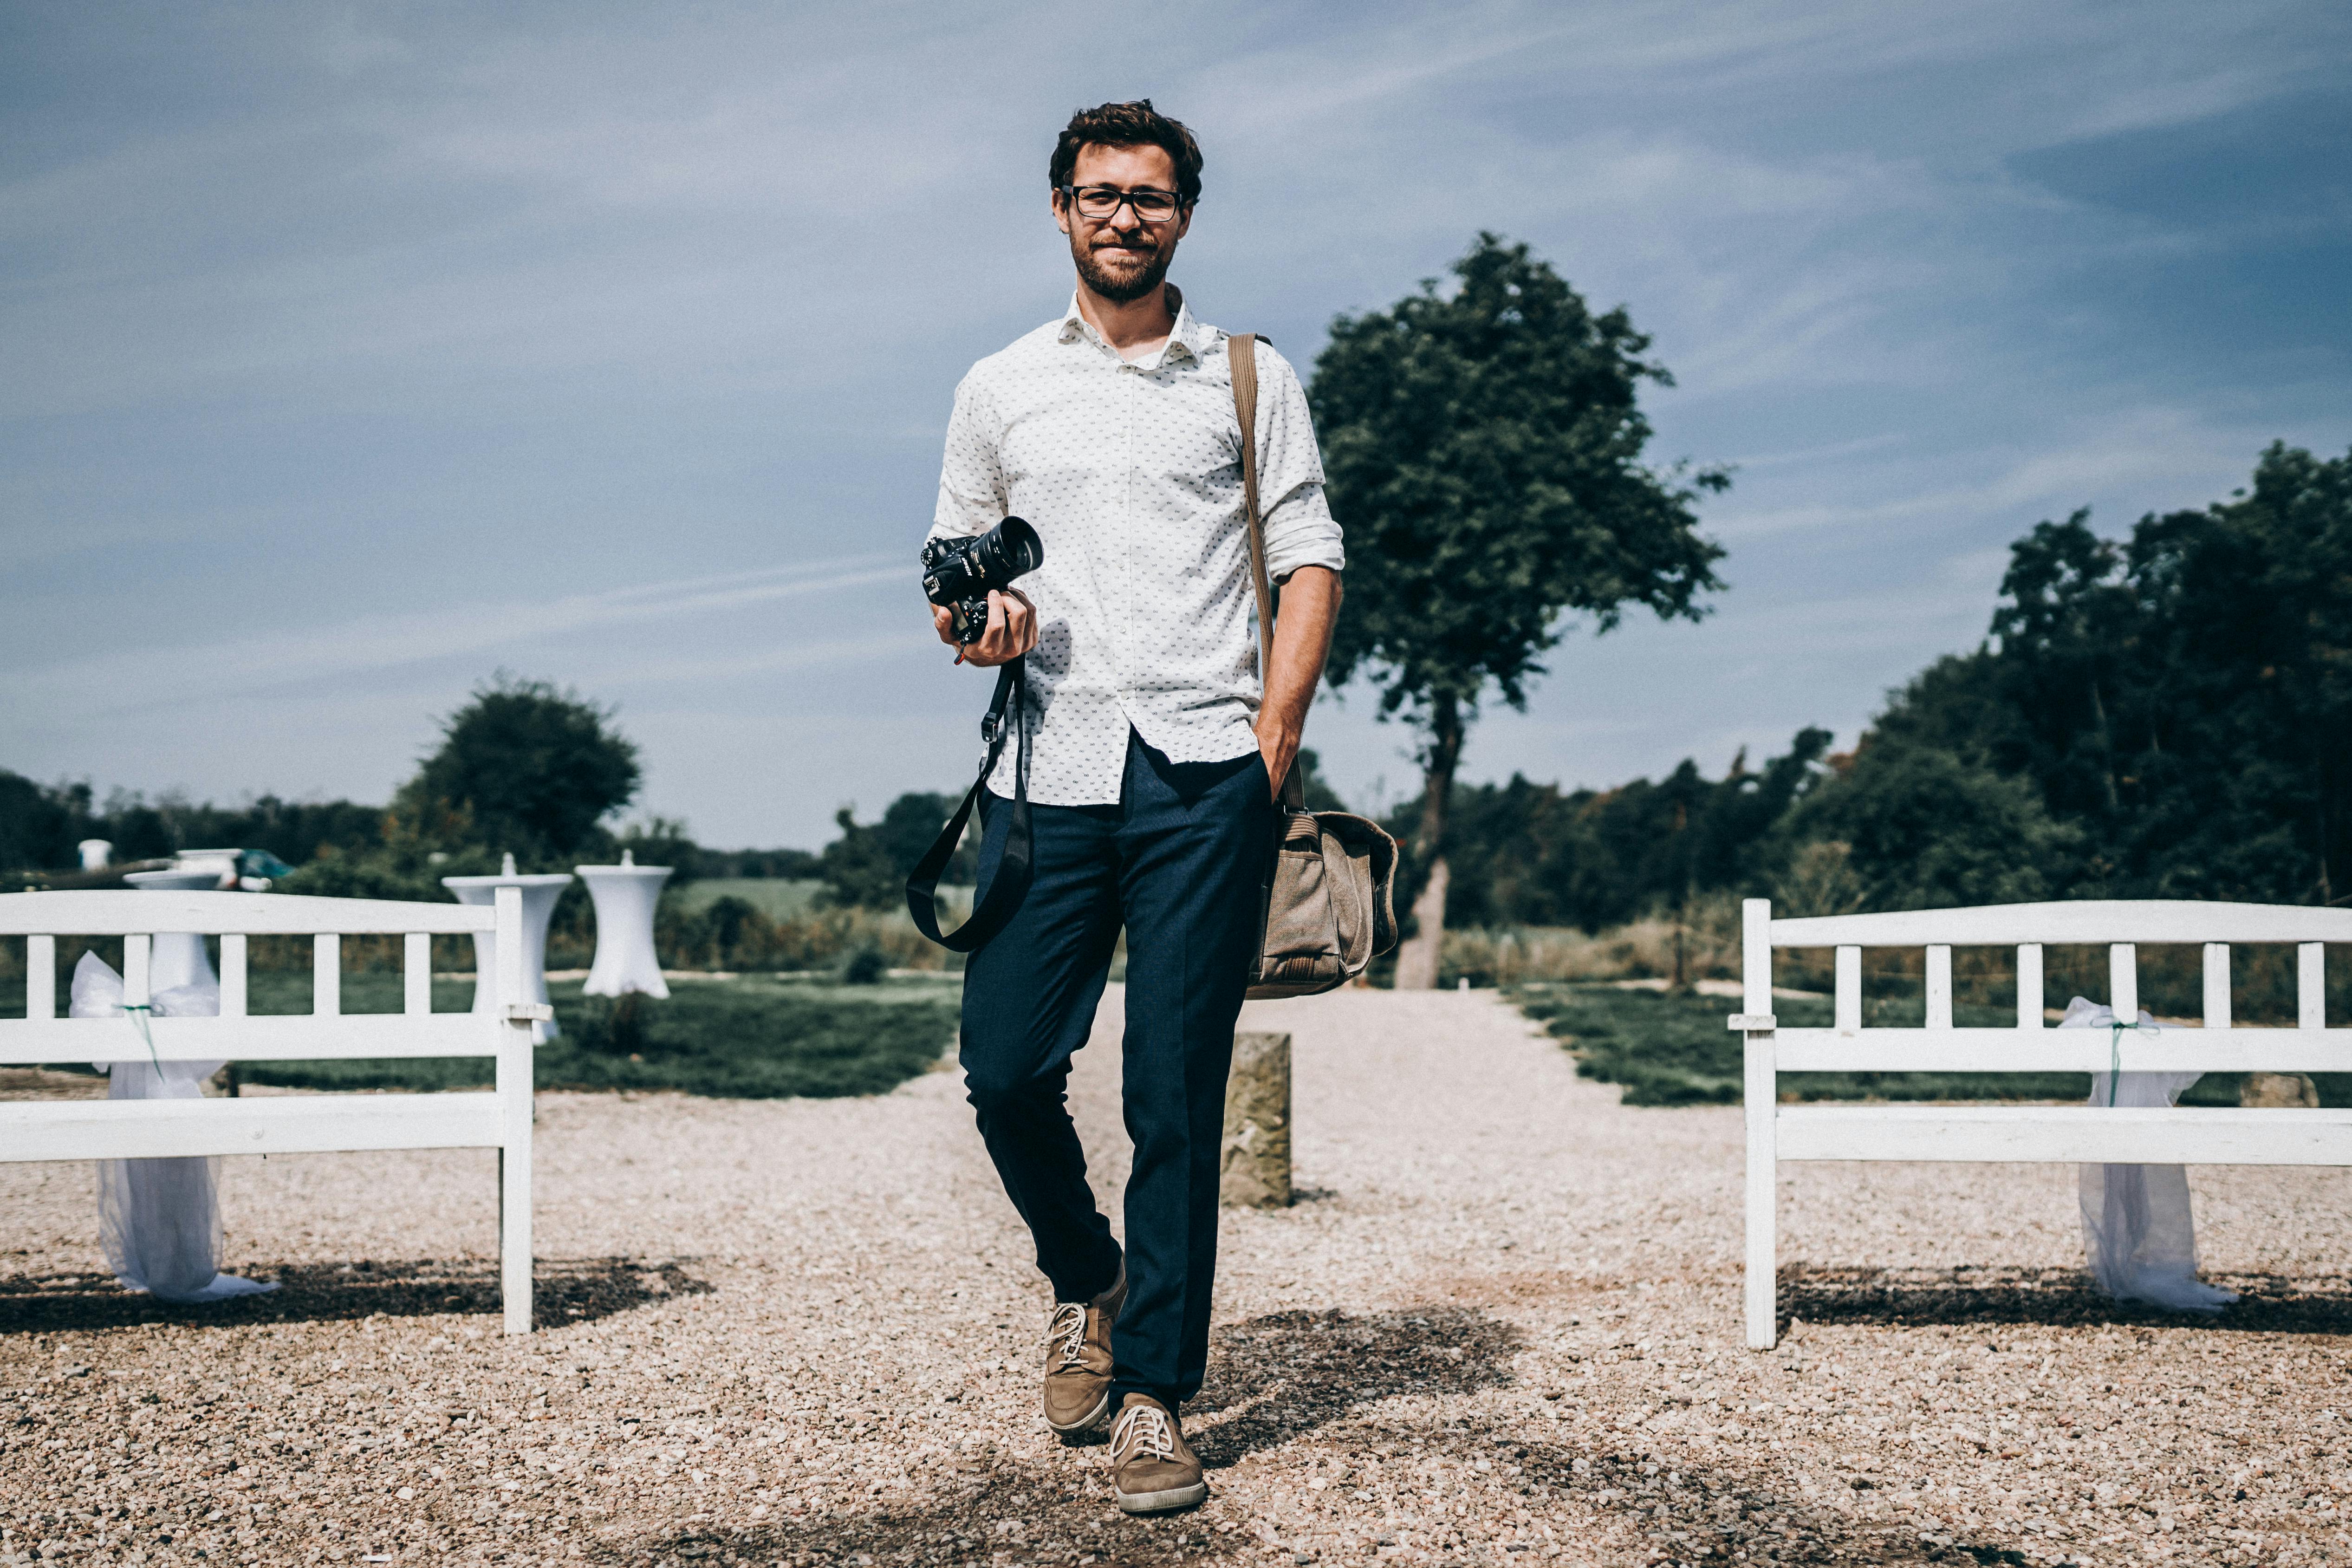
x: 1763, y: 1196
x: 514, y: 1237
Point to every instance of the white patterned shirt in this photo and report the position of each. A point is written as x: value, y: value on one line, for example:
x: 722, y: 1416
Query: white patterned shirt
x: 1131, y: 474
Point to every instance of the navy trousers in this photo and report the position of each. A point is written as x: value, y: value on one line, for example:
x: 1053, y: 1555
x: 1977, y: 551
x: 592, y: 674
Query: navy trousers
x: 1179, y: 863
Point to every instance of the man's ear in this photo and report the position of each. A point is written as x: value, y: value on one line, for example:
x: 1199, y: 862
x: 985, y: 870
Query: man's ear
x: 1061, y: 211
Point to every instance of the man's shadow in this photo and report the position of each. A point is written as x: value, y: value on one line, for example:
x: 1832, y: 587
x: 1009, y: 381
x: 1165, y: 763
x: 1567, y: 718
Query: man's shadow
x: 1278, y: 1379
x: 1271, y: 1380
x: 1274, y: 1378
x: 563, y: 1290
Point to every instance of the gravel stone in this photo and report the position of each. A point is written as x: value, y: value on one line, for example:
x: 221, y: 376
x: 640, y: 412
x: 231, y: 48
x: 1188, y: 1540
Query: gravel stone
x: 1499, y: 1325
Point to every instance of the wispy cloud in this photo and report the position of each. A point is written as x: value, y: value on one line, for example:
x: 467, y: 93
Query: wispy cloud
x: 241, y: 668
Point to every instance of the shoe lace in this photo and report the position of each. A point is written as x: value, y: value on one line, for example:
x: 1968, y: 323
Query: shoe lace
x: 1143, y: 1430
x: 1069, y: 1324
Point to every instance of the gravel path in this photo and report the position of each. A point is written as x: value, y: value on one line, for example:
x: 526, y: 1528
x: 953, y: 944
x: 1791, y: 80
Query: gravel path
x: 1500, y: 1327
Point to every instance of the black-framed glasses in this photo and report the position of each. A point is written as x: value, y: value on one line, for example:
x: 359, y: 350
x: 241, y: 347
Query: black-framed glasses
x: 1101, y: 204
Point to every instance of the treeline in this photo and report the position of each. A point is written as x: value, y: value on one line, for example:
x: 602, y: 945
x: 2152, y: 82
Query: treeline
x: 2166, y: 715
x: 40, y: 826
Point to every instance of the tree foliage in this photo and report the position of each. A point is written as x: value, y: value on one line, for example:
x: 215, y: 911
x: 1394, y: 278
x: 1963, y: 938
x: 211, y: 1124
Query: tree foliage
x: 1531, y: 854
x: 868, y: 865
x: 523, y: 767
x: 2182, y: 699
x: 1485, y: 447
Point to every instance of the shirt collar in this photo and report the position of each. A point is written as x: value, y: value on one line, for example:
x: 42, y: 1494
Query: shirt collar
x: 1188, y: 335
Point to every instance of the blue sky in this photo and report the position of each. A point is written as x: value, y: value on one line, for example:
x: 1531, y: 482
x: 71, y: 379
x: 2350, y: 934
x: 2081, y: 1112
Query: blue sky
x: 354, y: 353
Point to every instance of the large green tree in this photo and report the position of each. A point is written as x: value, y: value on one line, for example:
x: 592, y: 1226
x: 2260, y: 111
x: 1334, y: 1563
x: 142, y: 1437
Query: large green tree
x: 523, y: 767
x: 1483, y: 444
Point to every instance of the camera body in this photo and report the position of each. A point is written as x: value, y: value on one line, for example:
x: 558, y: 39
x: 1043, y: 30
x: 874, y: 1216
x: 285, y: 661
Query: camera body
x: 960, y: 573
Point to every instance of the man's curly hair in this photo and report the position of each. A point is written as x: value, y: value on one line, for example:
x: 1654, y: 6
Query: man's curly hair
x: 1136, y: 124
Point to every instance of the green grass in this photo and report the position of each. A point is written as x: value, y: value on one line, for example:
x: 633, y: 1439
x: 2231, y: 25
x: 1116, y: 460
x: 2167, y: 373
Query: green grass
x: 1675, y: 1050
x: 756, y: 1039
x: 778, y: 898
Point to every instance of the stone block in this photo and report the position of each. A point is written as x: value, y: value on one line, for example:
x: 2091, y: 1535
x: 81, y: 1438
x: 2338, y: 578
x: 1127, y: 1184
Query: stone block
x: 1256, y: 1169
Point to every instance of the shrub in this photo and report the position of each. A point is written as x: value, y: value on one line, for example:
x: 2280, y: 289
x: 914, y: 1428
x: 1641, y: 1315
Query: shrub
x: 867, y: 965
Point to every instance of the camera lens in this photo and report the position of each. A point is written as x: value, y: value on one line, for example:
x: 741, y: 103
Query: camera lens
x: 1010, y: 549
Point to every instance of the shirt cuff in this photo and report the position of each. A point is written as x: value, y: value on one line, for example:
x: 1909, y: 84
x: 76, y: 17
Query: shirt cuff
x: 1303, y: 534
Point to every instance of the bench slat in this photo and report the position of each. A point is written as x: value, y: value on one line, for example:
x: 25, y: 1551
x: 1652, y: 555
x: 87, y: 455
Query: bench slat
x: 2064, y: 1050
x: 416, y: 974
x: 2090, y: 1134
x: 40, y: 977
x: 273, y: 1124
x: 106, y: 911
x: 326, y: 974
x: 235, y: 993
x: 349, y: 1036
x: 2098, y: 920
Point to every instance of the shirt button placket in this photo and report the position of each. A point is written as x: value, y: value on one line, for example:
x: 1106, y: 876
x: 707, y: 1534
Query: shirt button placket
x: 1127, y: 542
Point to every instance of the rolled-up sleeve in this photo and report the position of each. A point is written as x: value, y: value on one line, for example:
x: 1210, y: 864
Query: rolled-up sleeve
x: 1299, y: 528
x: 972, y: 478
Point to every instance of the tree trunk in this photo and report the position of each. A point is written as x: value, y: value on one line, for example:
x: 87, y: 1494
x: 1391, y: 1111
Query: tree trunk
x: 1416, y: 968
x: 2107, y: 751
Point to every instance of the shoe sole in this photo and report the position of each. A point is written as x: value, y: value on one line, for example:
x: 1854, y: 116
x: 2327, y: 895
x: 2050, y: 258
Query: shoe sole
x: 1092, y: 1421
x: 1162, y: 1502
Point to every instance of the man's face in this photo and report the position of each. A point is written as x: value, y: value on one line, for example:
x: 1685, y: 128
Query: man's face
x: 1122, y: 257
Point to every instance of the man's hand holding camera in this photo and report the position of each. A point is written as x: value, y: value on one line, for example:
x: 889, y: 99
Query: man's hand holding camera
x: 968, y: 582
x: 1012, y: 629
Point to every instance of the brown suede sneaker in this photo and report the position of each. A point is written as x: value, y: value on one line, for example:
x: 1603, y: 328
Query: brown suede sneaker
x: 1152, y: 1470
x: 1078, y: 1360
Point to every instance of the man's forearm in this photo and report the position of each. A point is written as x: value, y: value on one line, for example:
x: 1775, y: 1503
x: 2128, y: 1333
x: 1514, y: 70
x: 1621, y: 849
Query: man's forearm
x: 1302, y: 639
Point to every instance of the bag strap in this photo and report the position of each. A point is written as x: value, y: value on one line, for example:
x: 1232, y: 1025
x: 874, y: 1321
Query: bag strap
x: 1011, y: 883
x: 1240, y: 353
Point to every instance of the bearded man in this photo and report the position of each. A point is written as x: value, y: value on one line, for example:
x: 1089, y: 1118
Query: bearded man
x: 1156, y: 753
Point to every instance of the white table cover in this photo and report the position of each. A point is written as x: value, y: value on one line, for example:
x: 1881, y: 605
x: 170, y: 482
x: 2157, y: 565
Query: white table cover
x: 2139, y: 1239
x: 159, y: 1220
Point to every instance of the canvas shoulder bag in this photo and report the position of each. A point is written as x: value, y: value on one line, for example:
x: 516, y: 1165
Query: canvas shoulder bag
x: 1328, y: 912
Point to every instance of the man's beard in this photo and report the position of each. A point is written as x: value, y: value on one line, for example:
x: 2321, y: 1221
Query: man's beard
x: 1121, y: 286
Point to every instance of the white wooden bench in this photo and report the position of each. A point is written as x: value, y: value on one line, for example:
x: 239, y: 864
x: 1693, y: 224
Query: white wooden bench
x: 281, y: 1124
x: 1994, y: 1132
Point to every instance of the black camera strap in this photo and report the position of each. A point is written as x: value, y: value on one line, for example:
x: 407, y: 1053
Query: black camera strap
x: 1011, y: 883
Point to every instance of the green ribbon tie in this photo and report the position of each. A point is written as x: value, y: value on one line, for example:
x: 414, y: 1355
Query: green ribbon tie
x: 2115, y: 1053
x: 138, y: 1012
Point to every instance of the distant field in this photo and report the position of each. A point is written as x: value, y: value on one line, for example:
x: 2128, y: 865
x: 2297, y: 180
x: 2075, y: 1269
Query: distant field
x: 777, y: 897
x: 1675, y: 1050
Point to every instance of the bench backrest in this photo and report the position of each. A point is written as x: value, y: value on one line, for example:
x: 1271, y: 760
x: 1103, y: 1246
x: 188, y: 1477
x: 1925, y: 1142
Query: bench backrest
x: 2031, y: 1044
x: 138, y: 917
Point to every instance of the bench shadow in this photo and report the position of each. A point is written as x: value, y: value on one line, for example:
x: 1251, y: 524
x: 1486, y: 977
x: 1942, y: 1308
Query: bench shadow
x: 564, y: 1291
x: 2268, y: 1303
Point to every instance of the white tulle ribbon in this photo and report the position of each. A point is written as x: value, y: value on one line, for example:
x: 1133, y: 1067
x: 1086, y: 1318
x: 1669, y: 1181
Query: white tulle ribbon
x: 159, y: 1220
x: 2139, y: 1237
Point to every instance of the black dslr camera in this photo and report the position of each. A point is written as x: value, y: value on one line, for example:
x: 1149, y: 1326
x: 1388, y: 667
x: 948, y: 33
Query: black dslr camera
x: 960, y: 572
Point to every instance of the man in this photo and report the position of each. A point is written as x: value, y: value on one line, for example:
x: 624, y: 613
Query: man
x: 1156, y: 752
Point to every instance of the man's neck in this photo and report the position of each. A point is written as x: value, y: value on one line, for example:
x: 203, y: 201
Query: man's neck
x: 1132, y: 327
